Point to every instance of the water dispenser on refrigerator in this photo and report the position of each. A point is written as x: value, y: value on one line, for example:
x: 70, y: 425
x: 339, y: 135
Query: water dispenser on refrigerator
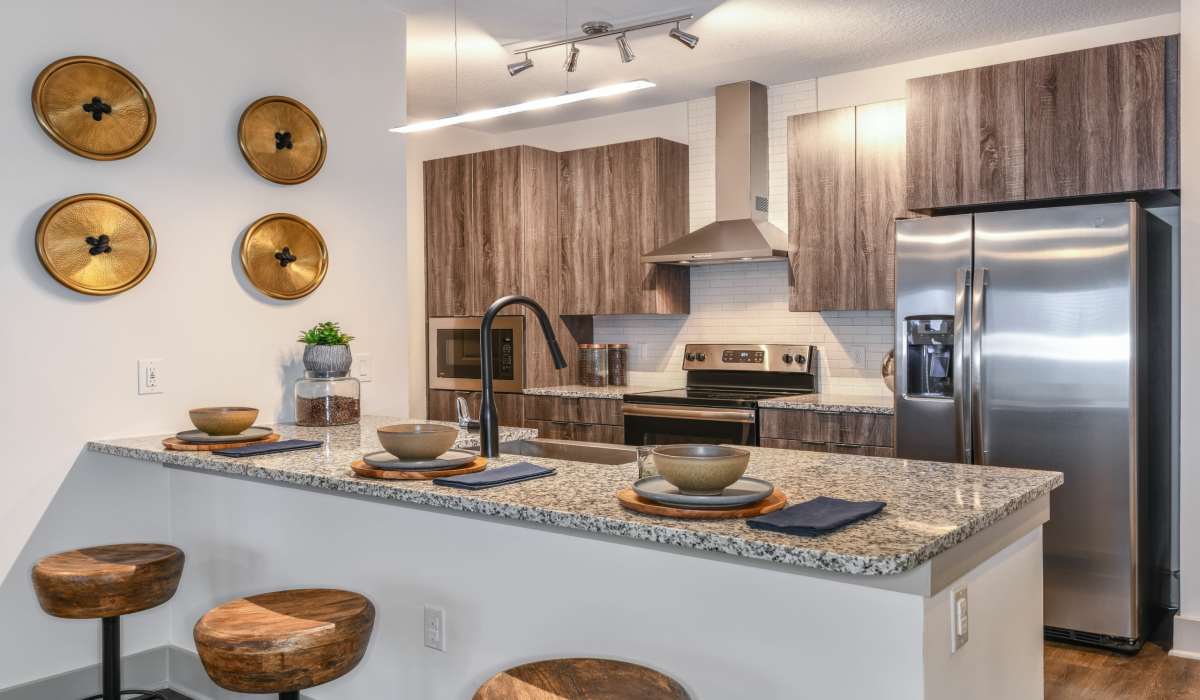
x: 930, y: 356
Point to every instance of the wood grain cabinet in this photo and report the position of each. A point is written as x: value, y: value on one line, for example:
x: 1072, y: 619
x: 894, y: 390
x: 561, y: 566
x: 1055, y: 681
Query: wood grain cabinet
x: 868, y: 434
x: 1093, y: 122
x: 615, y: 203
x: 441, y: 406
x: 845, y: 190
x: 583, y: 419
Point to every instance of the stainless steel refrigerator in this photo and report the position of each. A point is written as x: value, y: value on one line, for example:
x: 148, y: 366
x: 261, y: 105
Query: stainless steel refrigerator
x: 1041, y: 338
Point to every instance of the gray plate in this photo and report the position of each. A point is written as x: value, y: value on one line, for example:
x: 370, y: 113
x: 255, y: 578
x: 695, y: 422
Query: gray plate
x: 451, y: 459
x: 742, y: 492
x: 200, y: 437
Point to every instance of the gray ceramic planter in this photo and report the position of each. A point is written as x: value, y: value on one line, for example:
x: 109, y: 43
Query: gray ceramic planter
x: 328, y: 360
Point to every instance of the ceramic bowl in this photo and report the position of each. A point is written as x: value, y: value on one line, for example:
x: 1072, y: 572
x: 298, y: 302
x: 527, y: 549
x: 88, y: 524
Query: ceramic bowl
x: 223, y: 420
x: 701, y: 470
x: 411, y: 441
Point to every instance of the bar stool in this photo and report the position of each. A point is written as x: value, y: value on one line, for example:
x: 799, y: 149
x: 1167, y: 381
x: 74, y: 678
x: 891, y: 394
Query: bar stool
x: 107, y: 582
x: 580, y: 679
x: 284, y: 642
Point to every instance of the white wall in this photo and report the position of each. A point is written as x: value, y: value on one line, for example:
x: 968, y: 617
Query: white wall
x: 1187, y: 627
x: 71, y: 360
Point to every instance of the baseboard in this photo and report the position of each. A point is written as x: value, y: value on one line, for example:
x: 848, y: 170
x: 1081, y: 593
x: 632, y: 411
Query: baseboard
x: 1187, y: 637
x: 167, y: 666
x: 146, y: 670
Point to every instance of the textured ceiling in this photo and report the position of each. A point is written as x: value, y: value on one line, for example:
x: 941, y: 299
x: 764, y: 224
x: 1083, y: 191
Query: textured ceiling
x: 771, y: 41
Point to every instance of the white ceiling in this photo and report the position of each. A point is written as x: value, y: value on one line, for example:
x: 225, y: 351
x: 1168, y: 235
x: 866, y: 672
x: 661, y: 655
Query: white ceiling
x: 770, y: 41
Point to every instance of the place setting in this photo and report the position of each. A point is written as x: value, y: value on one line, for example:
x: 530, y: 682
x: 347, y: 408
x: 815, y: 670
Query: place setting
x: 220, y: 428
x: 418, y: 451
x: 702, y: 482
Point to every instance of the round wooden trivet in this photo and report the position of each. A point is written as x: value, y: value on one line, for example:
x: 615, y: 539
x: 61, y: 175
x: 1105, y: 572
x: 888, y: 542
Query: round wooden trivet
x: 174, y: 443
x: 629, y: 499
x: 363, y: 469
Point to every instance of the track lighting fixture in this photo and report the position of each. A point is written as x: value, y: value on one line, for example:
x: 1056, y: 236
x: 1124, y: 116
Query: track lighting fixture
x: 597, y: 30
x: 520, y: 66
x: 688, y: 40
x: 627, y: 54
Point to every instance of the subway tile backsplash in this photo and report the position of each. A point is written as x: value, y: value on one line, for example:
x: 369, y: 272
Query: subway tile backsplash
x: 744, y: 303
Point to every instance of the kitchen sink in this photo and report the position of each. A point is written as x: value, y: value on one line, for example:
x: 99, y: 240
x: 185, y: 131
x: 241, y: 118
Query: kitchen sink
x: 592, y: 452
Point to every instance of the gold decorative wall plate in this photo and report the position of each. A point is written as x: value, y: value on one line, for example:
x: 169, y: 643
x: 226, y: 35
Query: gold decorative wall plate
x: 282, y: 140
x: 284, y: 256
x: 93, y: 108
x: 96, y: 244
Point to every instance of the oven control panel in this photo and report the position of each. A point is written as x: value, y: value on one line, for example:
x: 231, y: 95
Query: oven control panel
x: 752, y: 358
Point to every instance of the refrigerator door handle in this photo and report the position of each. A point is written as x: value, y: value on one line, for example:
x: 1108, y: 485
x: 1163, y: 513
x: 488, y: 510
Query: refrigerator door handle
x: 978, y: 321
x: 962, y: 367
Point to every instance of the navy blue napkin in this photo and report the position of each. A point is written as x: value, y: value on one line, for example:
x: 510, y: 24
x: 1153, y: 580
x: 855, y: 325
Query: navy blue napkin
x: 816, y: 517
x: 521, y: 471
x: 266, y: 448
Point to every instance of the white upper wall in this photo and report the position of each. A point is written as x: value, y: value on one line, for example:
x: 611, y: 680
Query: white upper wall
x: 71, y: 360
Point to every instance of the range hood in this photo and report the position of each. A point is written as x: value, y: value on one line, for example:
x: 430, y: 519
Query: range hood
x: 741, y: 232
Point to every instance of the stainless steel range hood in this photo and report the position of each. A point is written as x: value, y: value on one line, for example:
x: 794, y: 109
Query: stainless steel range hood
x: 741, y: 232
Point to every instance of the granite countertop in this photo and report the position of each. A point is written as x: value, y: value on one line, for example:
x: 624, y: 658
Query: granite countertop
x: 834, y: 403
x: 579, y: 391
x: 932, y: 506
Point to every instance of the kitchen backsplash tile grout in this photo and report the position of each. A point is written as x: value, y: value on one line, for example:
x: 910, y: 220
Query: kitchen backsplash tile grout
x: 749, y: 303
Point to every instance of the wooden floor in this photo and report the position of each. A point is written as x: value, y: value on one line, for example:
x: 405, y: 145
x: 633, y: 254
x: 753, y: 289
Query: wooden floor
x: 1074, y: 673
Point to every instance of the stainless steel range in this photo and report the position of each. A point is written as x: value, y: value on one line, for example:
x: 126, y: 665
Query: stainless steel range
x: 719, y: 403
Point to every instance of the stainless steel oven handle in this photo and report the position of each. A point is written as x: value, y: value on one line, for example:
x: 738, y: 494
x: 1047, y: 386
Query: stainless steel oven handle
x: 962, y: 367
x: 723, y: 415
x: 978, y: 323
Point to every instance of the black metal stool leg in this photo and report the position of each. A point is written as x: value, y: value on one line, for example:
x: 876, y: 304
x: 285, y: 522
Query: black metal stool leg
x: 290, y: 695
x: 110, y: 665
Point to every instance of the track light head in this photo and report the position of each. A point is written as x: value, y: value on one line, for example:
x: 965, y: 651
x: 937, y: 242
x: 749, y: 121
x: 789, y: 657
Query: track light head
x: 627, y: 54
x: 572, y: 61
x: 688, y: 40
x: 520, y: 66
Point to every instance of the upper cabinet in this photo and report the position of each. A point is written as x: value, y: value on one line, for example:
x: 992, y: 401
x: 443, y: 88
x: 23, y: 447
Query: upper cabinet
x: 1093, y: 122
x: 490, y: 222
x: 845, y: 190
x: 615, y: 203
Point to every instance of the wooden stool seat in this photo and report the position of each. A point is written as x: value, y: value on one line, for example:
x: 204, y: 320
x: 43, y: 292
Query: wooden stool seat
x: 580, y: 679
x: 285, y: 641
x: 107, y: 581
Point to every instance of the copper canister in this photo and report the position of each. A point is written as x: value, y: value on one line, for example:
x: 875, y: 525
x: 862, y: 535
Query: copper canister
x: 618, y: 364
x: 593, y: 364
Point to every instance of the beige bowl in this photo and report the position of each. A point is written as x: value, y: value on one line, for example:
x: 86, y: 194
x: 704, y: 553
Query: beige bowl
x: 701, y: 470
x: 413, y: 441
x: 223, y: 420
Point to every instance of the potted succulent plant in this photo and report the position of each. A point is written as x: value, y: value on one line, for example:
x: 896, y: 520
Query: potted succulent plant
x: 328, y: 350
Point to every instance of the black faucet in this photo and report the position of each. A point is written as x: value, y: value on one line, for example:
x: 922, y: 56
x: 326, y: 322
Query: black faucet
x: 489, y: 424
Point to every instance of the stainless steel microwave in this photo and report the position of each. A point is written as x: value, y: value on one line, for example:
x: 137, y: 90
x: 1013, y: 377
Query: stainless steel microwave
x: 454, y: 359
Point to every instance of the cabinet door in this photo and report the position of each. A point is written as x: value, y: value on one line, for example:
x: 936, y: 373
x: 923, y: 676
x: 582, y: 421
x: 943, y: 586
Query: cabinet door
x: 821, y: 209
x: 615, y: 203
x: 494, y: 220
x: 447, y: 191
x: 1096, y: 120
x: 587, y: 432
x: 553, y: 430
x: 551, y: 408
x: 967, y: 137
x: 441, y: 406
x: 879, y: 200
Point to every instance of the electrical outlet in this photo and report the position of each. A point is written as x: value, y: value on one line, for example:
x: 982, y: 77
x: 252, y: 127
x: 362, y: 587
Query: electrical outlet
x: 959, y: 623
x: 435, y: 628
x: 150, y: 376
x: 362, y: 367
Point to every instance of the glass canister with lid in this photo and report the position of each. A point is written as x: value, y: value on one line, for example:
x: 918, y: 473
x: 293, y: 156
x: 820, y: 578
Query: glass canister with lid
x: 618, y: 364
x: 593, y: 364
x: 327, y: 398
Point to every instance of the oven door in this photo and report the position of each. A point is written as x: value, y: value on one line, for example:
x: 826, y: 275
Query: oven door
x: 656, y: 424
x: 454, y: 354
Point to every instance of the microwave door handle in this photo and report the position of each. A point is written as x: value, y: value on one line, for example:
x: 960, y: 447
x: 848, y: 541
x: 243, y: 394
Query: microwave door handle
x: 962, y: 367
x: 978, y: 323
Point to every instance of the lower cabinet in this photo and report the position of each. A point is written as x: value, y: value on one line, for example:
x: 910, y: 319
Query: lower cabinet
x: 868, y: 434
x: 441, y: 406
x: 585, y: 420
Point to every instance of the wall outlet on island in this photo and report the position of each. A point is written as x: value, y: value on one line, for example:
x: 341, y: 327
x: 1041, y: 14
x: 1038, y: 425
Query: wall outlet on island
x: 362, y: 367
x: 959, y: 627
x: 150, y: 378
x: 435, y: 628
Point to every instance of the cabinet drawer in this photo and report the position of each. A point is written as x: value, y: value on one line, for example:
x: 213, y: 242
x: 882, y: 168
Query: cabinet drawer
x: 551, y: 408
x: 601, y: 411
x: 866, y: 429
x: 807, y: 426
x: 441, y: 406
x: 794, y: 445
x: 591, y: 432
x: 554, y: 430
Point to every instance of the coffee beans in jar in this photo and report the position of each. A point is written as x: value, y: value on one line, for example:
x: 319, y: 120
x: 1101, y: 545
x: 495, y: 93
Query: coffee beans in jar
x: 618, y: 364
x: 593, y: 364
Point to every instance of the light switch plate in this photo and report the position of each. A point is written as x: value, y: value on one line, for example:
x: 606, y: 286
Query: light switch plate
x: 362, y: 367
x: 959, y: 620
x: 435, y: 628
x: 150, y: 376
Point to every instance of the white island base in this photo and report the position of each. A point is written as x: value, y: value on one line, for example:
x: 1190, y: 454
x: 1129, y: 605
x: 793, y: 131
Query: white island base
x: 723, y: 626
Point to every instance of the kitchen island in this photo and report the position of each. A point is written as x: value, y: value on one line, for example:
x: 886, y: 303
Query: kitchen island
x: 555, y: 567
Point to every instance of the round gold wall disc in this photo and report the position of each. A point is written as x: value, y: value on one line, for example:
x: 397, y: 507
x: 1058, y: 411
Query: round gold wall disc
x: 93, y: 108
x: 284, y: 256
x: 282, y: 140
x: 96, y: 244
